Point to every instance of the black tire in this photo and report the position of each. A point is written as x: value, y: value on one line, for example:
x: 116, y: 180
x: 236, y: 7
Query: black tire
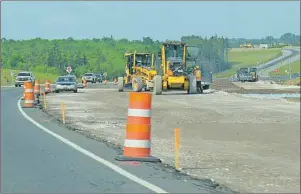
x: 199, y: 87
x: 75, y: 91
x: 56, y: 91
x: 157, y: 85
x: 192, y: 89
x: 137, y: 84
x: 120, y: 84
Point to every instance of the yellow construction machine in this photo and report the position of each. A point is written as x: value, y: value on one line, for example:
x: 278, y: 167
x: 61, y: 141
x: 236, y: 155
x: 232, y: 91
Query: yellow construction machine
x: 172, y: 74
x: 166, y: 71
x: 249, y: 45
x: 139, y: 72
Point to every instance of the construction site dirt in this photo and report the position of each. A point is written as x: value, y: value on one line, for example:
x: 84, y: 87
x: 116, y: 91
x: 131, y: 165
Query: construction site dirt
x: 249, y: 145
x: 260, y: 87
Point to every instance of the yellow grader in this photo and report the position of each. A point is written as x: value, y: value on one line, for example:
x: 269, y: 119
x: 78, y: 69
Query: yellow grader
x: 165, y: 72
x: 172, y: 74
x: 139, y: 72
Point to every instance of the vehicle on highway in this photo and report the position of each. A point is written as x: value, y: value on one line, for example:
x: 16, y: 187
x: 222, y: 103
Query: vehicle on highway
x: 24, y: 76
x: 89, y: 77
x: 66, y: 83
x: 247, y: 74
x: 99, y: 78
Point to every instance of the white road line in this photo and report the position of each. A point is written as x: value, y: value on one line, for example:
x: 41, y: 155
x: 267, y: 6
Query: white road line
x: 93, y: 156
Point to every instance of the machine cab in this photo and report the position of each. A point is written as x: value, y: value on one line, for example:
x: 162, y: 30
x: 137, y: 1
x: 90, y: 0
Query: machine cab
x: 173, y: 58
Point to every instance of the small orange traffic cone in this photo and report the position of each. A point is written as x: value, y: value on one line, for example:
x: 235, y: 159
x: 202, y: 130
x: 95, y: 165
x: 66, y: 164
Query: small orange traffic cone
x: 47, y: 87
x: 137, y: 145
x: 36, y: 87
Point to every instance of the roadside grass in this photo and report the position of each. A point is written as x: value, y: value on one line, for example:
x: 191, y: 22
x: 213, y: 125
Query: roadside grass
x: 248, y: 58
x: 6, y: 78
x: 295, y: 66
x: 295, y: 81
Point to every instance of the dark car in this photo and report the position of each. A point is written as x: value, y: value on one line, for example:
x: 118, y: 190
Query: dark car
x: 66, y: 83
x: 99, y: 78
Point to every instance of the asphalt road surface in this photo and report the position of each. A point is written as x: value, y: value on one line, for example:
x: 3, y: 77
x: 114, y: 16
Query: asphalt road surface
x: 36, y: 161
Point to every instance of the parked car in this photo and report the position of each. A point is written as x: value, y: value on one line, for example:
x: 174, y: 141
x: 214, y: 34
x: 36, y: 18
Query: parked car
x: 66, y: 83
x: 24, y: 76
x: 99, y: 78
x: 89, y: 77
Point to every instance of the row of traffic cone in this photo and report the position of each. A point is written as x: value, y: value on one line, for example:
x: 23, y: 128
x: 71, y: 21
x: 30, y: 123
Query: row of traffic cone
x: 137, y: 145
x: 31, y: 94
x: 85, y: 83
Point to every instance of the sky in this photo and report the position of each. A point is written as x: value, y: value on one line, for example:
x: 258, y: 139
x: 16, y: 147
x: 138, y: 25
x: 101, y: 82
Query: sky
x: 158, y: 20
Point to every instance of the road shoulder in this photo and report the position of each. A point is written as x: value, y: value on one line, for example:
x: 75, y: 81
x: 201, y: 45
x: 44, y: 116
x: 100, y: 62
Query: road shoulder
x: 161, y: 175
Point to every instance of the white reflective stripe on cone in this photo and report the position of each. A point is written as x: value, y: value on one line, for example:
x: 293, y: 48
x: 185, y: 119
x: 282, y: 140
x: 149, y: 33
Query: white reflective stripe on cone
x: 139, y: 112
x: 28, y: 90
x: 137, y: 143
x: 29, y: 101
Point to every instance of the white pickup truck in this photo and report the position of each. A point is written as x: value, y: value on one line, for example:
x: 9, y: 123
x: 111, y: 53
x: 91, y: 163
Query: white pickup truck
x: 24, y: 76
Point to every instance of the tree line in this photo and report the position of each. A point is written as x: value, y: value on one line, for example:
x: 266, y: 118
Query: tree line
x: 287, y: 38
x: 107, y: 54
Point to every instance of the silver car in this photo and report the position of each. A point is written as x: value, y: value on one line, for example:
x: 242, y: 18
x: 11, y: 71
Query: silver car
x: 89, y: 77
x: 24, y: 76
x: 66, y: 83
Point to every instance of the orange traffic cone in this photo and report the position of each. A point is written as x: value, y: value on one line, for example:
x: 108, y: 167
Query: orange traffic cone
x: 47, y: 87
x: 36, y: 87
x: 137, y: 145
x: 29, y: 99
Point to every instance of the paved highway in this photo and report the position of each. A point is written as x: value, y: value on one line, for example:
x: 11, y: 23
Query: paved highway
x: 289, y: 55
x: 46, y: 157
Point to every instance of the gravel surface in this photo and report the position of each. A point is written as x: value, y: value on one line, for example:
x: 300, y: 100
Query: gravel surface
x: 260, y: 87
x: 249, y: 145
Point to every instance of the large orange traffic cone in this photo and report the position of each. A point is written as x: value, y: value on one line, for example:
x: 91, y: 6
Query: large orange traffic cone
x: 29, y: 100
x: 137, y: 145
x: 47, y: 87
